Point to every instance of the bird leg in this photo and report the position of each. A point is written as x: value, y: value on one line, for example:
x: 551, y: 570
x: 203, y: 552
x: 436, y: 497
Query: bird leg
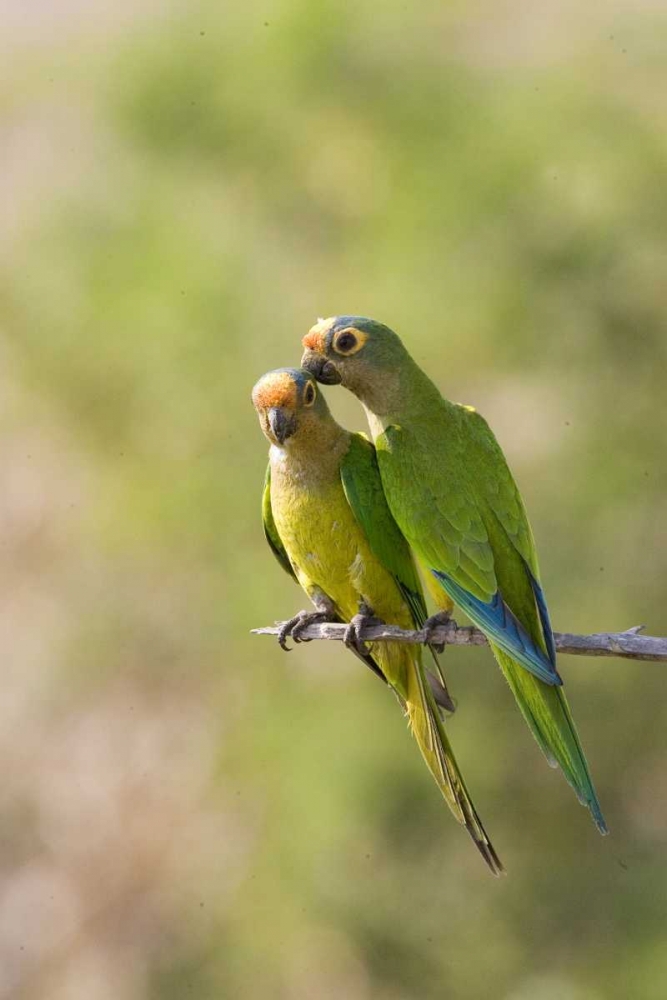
x: 352, y: 638
x: 324, y: 612
x: 295, y: 626
x: 434, y: 622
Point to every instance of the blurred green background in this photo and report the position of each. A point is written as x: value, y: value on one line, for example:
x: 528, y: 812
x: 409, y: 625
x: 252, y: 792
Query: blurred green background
x: 185, y: 188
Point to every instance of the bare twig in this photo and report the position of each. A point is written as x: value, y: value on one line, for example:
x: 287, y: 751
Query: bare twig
x: 629, y: 644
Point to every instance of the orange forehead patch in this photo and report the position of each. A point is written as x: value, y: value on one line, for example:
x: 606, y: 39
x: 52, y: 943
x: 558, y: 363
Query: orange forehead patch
x: 316, y: 336
x: 275, y: 389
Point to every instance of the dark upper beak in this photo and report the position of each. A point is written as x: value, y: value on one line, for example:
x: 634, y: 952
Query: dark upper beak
x: 282, y: 423
x: 324, y: 371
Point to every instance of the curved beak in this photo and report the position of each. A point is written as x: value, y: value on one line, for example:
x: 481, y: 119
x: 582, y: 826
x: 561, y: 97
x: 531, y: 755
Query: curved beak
x: 282, y: 423
x: 318, y: 366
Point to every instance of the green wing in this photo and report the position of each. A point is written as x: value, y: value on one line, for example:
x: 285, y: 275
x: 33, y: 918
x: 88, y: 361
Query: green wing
x: 363, y: 488
x: 455, y: 524
x: 500, y: 491
x: 465, y: 520
x: 270, y: 529
x: 430, y: 499
x: 469, y: 526
x: 362, y: 484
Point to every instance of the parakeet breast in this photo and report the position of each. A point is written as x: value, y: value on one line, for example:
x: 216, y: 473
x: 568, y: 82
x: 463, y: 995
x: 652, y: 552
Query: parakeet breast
x: 326, y: 544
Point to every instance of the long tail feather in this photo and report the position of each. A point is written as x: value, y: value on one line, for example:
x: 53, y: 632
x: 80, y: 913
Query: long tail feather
x: 548, y: 715
x: 429, y: 731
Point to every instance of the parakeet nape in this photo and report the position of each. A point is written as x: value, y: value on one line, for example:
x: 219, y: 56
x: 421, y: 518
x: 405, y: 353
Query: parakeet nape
x: 453, y: 496
x: 328, y: 524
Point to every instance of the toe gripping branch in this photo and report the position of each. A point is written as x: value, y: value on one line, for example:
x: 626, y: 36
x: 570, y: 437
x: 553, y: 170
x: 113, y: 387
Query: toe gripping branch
x: 352, y: 637
x: 297, y: 625
x: 435, y: 622
x: 629, y: 644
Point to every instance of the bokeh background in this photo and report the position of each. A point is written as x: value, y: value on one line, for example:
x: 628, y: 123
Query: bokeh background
x: 185, y: 187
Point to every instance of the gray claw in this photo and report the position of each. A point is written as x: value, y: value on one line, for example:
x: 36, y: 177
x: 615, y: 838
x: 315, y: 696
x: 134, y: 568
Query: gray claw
x: 352, y: 637
x: 308, y: 618
x: 434, y: 622
x: 295, y: 626
x: 285, y: 631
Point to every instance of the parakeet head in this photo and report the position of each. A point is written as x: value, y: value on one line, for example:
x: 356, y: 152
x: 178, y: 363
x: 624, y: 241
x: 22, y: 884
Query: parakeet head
x: 352, y: 351
x: 289, y: 405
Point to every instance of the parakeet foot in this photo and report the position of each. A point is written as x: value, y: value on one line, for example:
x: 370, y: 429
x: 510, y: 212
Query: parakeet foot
x: 434, y: 622
x: 295, y: 626
x: 309, y: 618
x: 352, y: 638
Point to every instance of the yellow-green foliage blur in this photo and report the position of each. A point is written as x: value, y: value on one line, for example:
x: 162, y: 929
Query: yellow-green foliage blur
x: 186, y: 811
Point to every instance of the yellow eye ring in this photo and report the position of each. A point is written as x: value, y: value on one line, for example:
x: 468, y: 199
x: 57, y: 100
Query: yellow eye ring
x: 309, y: 394
x: 347, y: 342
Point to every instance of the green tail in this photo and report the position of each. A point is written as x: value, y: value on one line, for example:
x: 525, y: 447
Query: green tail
x: 545, y: 709
x: 429, y: 731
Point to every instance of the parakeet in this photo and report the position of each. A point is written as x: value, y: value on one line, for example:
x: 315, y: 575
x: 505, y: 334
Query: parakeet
x: 328, y: 523
x: 451, y: 492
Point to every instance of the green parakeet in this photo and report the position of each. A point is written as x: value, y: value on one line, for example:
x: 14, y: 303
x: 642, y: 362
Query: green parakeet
x: 452, y: 494
x: 327, y: 521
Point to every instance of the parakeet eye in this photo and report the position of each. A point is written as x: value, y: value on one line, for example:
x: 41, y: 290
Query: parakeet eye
x: 348, y: 342
x: 309, y: 395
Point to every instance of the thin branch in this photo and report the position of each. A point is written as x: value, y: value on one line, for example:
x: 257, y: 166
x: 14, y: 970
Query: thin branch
x: 629, y: 644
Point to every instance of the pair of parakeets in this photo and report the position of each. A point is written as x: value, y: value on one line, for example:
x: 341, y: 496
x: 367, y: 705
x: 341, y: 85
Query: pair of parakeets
x: 350, y: 521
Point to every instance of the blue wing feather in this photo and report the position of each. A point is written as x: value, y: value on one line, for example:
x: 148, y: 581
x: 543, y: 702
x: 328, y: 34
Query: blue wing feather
x: 541, y: 602
x: 503, y: 627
